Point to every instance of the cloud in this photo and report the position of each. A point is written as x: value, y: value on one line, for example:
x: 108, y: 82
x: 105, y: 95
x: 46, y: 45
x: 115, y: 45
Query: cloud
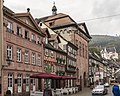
x: 78, y: 10
x: 105, y: 7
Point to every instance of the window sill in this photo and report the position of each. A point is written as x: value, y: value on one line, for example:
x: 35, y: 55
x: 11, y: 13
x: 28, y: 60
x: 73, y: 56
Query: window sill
x: 26, y: 62
x: 19, y: 61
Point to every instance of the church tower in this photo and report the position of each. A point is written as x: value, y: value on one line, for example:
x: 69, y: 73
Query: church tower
x: 54, y: 9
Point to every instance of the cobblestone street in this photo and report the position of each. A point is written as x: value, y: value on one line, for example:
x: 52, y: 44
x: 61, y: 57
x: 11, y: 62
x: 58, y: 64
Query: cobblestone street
x: 84, y: 92
x: 87, y: 92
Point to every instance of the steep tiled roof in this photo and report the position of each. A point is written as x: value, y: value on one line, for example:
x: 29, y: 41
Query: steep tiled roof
x: 86, y: 30
x: 51, y: 17
x: 49, y: 46
x: 59, y: 15
x: 61, y: 20
x: 54, y: 37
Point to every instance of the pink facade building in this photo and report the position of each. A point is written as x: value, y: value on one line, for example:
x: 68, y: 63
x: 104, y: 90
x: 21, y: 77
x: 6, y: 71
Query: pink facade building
x: 22, y: 54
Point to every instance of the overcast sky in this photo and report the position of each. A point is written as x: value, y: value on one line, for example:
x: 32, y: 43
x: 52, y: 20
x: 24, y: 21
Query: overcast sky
x: 79, y: 10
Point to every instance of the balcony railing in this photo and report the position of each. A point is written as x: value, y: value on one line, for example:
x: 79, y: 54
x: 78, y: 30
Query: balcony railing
x: 71, y: 68
x: 10, y: 30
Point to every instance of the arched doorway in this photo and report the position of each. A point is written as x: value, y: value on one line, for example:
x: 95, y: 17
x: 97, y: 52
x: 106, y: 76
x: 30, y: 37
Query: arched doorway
x: 84, y: 78
x: 80, y: 82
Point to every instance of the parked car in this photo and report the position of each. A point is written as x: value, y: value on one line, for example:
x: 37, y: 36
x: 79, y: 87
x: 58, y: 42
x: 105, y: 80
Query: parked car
x: 106, y: 85
x: 99, y: 89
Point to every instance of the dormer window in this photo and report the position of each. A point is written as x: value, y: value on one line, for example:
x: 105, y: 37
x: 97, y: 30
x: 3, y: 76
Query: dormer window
x: 40, y: 24
x: 51, y: 23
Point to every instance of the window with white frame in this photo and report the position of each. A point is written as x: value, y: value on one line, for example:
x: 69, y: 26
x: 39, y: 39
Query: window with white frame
x: 19, y: 82
x: 39, y: 59
x: 46, y: 40
x: 52, y: 67
x: 26, y: 56
x: 33, y: 58
x: 9, y: 52
x: 27, y: 83
x: 27, y: 35
x: 19, y: 31
x: 69, y: 48
x: 33, y: 38
x: 38, y: 40
x: 27, y: 80
x: 18, y: 54
x: 9, y: 27
x: 10, y: 80
x: 52, y: 54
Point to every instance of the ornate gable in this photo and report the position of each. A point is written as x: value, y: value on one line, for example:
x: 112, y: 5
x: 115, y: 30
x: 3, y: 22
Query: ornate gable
x: 28, y: 19
x: 83, y: 27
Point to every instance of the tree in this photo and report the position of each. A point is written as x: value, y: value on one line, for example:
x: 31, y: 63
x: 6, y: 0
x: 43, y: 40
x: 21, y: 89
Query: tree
x: 94, y: 49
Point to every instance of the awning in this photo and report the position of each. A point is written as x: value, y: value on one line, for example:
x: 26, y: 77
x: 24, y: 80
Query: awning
x: 50, y: 76
x: 46, y: 76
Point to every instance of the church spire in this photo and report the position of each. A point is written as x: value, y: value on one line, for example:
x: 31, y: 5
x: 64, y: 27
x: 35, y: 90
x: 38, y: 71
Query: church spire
x: 54, y: 9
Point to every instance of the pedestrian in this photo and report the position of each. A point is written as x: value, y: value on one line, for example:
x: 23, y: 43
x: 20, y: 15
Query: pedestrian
x: 119, y: 88
x: 115, y: 90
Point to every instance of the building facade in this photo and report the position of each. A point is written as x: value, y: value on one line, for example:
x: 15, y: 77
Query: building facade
x: 109, y: 53
x: 23, y: 54
x: 66, y: 64
x: 99, y: 70
x: 77, y: 34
